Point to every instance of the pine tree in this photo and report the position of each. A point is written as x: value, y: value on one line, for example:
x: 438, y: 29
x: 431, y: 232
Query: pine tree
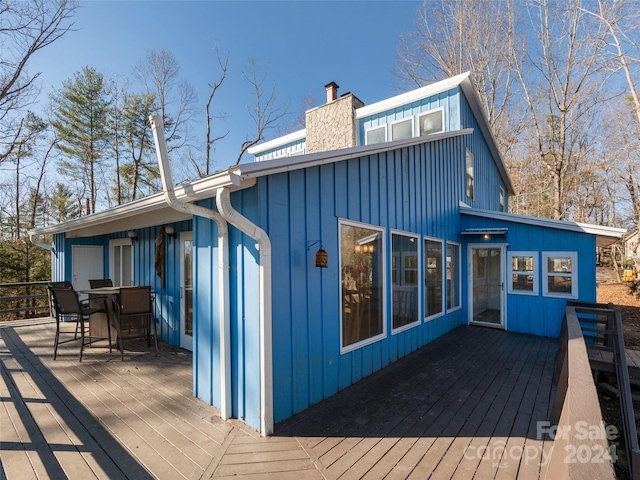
x: 80, y: 111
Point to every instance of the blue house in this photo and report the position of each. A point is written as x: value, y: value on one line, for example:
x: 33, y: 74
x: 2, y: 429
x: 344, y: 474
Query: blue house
x: 342, y: 248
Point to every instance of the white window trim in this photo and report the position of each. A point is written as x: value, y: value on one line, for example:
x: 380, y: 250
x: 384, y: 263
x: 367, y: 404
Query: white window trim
x: 420, y: 292
x: 405, y: 119
x: 573, y: 274
x: 421, y: 114
x: 119, y: 242
x: 384, y: 127
x: 459, y: 306
x: 383, y: 335
x: 443, y: 306
x: 511, y: 273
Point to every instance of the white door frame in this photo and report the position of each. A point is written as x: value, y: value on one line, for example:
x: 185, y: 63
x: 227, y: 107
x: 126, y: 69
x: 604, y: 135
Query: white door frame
x: 503, y: 287
x: 186, y: 341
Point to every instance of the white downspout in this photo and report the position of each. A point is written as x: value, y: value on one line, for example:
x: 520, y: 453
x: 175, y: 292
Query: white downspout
x: 46, y: 246
x: 157, y: 127
x: 223, y: 201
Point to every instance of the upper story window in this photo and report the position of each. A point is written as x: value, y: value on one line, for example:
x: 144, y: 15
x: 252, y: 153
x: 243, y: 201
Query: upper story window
x: 501, y: 199
x: 402, y: 129
x: 362, y: 279
x: 431, y: 122
x: 470, y: 178
x: 376, y: 135
x: 560, y: 274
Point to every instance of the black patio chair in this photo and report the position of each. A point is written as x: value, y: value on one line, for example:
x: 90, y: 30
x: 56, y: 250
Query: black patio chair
x: 100, y: 282
x: 134, y: 316
x: 66, y: 303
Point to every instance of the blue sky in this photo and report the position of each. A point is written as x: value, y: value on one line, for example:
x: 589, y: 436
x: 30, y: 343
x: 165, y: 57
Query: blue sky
x: 305, y: 45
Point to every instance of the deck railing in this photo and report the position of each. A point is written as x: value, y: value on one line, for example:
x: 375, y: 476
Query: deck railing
x: 23, y: 300
x: 580, y: 446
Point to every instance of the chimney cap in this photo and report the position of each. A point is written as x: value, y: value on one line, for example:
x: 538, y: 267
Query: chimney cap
x: 332, y: 84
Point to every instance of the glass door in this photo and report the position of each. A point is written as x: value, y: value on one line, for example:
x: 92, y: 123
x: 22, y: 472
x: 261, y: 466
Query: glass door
x: 186, y: 290
x: 487, y: 284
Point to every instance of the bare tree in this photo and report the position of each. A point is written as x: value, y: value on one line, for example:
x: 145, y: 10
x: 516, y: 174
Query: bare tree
x: 25, y: 28
x: 264, y: 112
x: 562, y: 87
x: 210, y: 142
x: 451, y: 37
x: 159, y: 73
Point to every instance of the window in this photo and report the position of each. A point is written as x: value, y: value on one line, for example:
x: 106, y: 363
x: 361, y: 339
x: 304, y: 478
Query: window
x: 501, y: 199
x: 402, y: 129
x: 431, y: 122
x: 453, y: 275
x: 376, y: 135
x: 560, y: 274
x: 362, y: 284
x: 404, y: 264
x: 523, y: 273
x: 121, y: 264
x: 470, y: 181
x: 434, y: 276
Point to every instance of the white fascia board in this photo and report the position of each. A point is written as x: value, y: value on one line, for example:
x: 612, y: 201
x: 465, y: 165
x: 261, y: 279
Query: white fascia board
x: 141, y: 211
x: 277, y: 142
x: 287, y: 164
x: 598, y: 230
x: 412, y: 96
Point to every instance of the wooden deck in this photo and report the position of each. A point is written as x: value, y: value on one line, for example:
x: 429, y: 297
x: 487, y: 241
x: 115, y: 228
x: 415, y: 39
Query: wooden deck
x: 465, y: 406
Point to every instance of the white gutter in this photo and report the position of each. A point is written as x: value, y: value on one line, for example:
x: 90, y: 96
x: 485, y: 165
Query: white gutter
x: 223, y: 201
x: 223, y: 260
x: 46, y: 246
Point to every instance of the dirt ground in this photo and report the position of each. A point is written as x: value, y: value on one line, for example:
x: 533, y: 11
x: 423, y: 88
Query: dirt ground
x: 610, y: 290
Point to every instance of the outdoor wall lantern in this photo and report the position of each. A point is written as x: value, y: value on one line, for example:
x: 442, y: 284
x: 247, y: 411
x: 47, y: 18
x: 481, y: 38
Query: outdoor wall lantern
x: 322, y: 257
x: 171, y: 232
x: 132, y: 235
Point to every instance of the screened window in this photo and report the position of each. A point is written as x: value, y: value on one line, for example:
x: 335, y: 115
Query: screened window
x: 434, y: 277
x: 404, y: 264
x: 470, y: 178
x: 523, y: 273
x: 401, y: 130
x: 431, y: 122
x: 362, y: 278
x: 560, y: 276
x: 376, y: 135
x: 453, y: 276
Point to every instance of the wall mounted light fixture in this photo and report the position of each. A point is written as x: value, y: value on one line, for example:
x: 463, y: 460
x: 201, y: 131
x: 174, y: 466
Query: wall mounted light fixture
x: 322, y: 257
x: 170, y: 231
x: 132, y: 235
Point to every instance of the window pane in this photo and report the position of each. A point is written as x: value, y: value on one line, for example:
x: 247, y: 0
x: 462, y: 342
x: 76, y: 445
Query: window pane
x: 431, y: 122
x: 433, y: 276
x: 117, y: 266
x: 376, y: 135
x: 469, y: 168
x: 559, y: 284
x: 522, y: 263
x: 402, y: 130
x: 126, y: 265
x: 405, y: 285
x: 558, y: 264
x: 523, y: 283
x: 361, y: 264
x: 453, y: 276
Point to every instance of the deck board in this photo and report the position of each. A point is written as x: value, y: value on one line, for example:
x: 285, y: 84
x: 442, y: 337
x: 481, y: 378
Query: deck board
x: 418, y: 418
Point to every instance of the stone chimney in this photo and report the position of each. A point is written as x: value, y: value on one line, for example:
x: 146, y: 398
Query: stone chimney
x: 332, y: 126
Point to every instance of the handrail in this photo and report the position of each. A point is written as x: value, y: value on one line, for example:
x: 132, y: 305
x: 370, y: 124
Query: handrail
x: 576, y: 405
x: 20, y: 302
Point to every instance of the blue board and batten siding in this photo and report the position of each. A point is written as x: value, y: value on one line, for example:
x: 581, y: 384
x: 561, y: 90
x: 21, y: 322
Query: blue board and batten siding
x: 415, y: 189
x: 167, y: 299
x: 541, y: 314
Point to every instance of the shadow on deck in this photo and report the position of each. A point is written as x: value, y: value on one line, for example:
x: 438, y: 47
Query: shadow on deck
x: 466, y: 406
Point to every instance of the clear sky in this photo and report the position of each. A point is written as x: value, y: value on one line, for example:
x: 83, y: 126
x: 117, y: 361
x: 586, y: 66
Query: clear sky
x: 305, y: 45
